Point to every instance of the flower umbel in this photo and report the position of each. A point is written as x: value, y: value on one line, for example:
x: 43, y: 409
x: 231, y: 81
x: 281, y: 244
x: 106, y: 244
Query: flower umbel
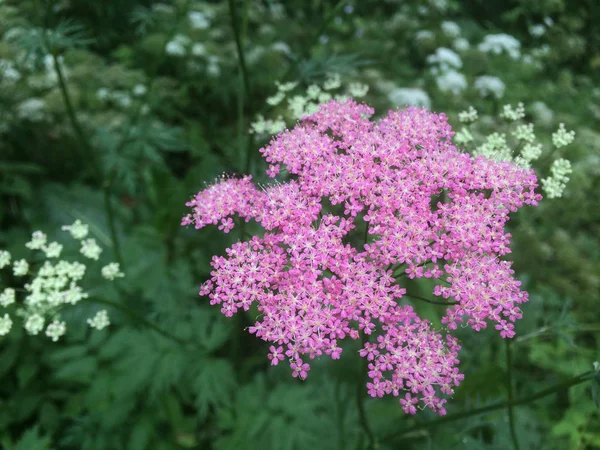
x: 51, y: 285
x: 425, y: 209
x: 99, y: 321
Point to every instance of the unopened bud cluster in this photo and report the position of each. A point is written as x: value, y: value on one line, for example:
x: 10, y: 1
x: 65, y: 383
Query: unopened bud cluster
x: 520, y: 145
x: 305, y: 103
x: 50, y: 284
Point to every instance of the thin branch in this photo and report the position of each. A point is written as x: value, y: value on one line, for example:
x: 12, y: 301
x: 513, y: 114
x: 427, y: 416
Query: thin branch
x: 493, y: 407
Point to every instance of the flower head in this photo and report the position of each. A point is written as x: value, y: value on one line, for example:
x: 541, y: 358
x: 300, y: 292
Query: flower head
x: 100, y: 320
x: 7, y: 297
x: 78, y: 229
x: 90, y: 248
x: 5, y: 325
x: 4, y: 259
x: 56, y: 329
x: 316, y: 283
x: 112, y: 271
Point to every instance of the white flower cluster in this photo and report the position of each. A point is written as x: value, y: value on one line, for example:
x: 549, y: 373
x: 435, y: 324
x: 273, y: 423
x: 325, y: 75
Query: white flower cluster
x: 501, y: 43
x: 301, y: 105
x: 90, y: 249
x: 56, y: 329
x: 178, y: 45
x: 357, y: 90
x: 444, y: 60
x: 199, y: 20
x: 510, y: 113
x: 281, y: 47
x: 497, y: 147
x: 445, y: 64
x: 38, y: 242
x: 463, y: 136
x: 401, y: 97
x: 181, y: 45
x: 77, y: 230
x: 562, y: 137
x: 121, y: 98
x: 530, y: 152
x: 8, y: 73
x: 7, y: 297
x: 537, y: 30
x: 33, y: 109
x: 490, y: 85
x: 51, y: 285
x: 4, y: 259
x: 451, y: 81
x: 20, y: 268
x: 524, y: 132
x: 267, y: 126
x: 112, y: 271
x: 100, y: 320
x: 450, y: 29
x: 424, y: 35
x: 468, y: 116
x: 555, y: 184
x: 494, y: 147
x: 5, y: 324
x: 461, y: 44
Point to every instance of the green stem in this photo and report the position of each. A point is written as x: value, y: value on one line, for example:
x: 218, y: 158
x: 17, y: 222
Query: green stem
x: 493, y: 407
x: 360, y: 398
x: 138, y: 318
x: 509, y: 388
x: 113, y: 228
x: 238, y: 45
x: 88, y: 153
x: 362, y: 379
x: 584, y: 328
x: 326, y: 21
x: 433, y: 302
x: 339, y: 415
x: 69, y: 107
x: 244, y: 86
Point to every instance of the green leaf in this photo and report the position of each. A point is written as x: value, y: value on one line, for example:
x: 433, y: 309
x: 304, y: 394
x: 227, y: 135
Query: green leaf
x: 32, y: 440
x: 214, y: 385
x: 80, y: 371
x: 141, y: 433
x: 26, y: 371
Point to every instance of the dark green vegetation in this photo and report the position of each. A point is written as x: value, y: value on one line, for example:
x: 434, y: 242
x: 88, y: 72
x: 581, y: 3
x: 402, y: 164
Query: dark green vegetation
x: 171, y: 372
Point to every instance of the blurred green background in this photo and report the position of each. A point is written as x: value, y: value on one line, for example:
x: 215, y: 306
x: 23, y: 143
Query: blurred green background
x: 156, y: 102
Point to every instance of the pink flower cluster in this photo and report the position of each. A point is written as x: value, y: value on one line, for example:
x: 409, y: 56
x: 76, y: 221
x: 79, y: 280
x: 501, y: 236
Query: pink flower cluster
x: 417, y: 206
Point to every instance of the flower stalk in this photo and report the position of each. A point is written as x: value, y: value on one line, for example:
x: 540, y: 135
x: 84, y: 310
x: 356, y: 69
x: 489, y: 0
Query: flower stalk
x: 89, y: 153
x: 509, y: 388
x: 574, y: 381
